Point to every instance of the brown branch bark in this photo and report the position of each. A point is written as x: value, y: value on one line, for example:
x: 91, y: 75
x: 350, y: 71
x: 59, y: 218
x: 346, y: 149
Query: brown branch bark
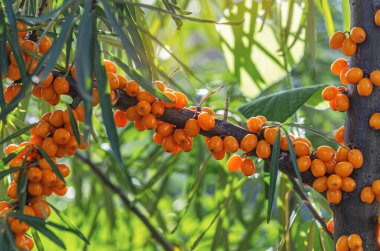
x: 351, y: 215
x: 120, y: 192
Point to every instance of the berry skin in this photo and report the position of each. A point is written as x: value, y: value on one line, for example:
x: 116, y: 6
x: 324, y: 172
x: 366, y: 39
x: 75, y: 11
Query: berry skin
x: 367, y: 195
x: 320, y: 184
x: 357, y: 35
x: 375, y: 77
x: 330, y: 166
x: 330, y: 93
x: 342, y: 244
x: 132, y: 88
x: 61, y: 136
x: 206, y: 121
x: 215, y: 144
x: 354, y: 75
x: 339, y: 135
x: 143, y: 108
x: 318, y: 168
x: 132, y: 114
x: 344, y: 169
x: 192, y: 128
x: 35, y: 189
x: 270, y: 135
x: 157, y: 138
x: 377, y: 18
x: 348, y: 47
x: 341, y: 154
x: 365, y: 87
x: 301, y: 149
x: 56, y: 118
x: 149, y: 121
x: 342, y: 77
x: 50, y: 146
x: 181, y: 100
x: 348, y: 184
x: 325, y: 153
x: 249, y: 142
x: 338, y: 66
x: 354, y: 241
x: 247, y: 167
x: 374, y: 121
x: 336, y: 40
x: 254, y: 124
x: 263, y: 149
x: 61, y: 86
x: 334, y: 196
x: 158, y: 108
x: 304, y: 140
x: 164, y: 129
x: 12, y: 190
x: 120, y: 118
x: 334, y: 182
x: 342, y: 102
x: 304, y: 163
x: 34, y: 174
x: 330, y: 225
x: 230, y: 144
x: 219, y: 155
x: 355, y: 157
x: 234, y: 163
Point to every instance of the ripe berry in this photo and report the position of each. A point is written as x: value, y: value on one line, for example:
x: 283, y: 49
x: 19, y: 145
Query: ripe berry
x: 35, y: 189
x: 354, y: 75
x: 330, y: 166
x: 219, y: 155
x: 270, y: 134
x: 50, y: 146
x: 336, y: 40
x: 157, y: 138
x: 215, y: 144
x: 149, y: 121
x: 234, y: 163
x: 338, y: 66
x: 342, y: 102
x: 304, y: 140
x: 367, y: 195
x: 247, y: 167
x: 342, y: 244
x: 143, y: 108
x: 186, y: 145
x: 341, y: 154
x: 357, y: 34
x: 330, y: 93
x: 132, y: 88
x: 165, y: 129
x: 330, y: 225
x: 169, y: 144
x: 120, y: 118
x: 61, y: 86
x: 48, y: 177
x: 254, y: 124
x: 179, y: 136
x: 263, y: 149
x: 122, y: 81
x: 158, y: 108
x: 354, y: 241
x: 34, y: 174
x: 334, y: 181
x: 355, y: 157
x: 181, y: 100
x: 320, y: 184
x: 301, y: 149
x: 304, y: 163
x: 230, y: 144
x: 344, y: 169
x: 318, y: 168
x: 348, y: 47
x: 334, y: 196
x: 374, y: 121
x: 284, y: 146
x: 376, y: 187
x: 339, y: 135
x: 325, y: 153
x: 365, y: 87
x: 375, y: 77
x: 192, y: 128
x: 249, y: 142
x: 348, y: 184
x: 61, y: 136
x: 206, y: 121
x: 146, y: 96
x: 208, y: 110
x: 377, y: 18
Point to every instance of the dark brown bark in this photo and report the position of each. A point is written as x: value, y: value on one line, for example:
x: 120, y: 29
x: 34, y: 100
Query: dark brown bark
x: 351, y: 215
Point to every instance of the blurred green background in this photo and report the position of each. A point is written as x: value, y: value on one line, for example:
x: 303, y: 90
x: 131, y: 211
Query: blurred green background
x: 191, y: 198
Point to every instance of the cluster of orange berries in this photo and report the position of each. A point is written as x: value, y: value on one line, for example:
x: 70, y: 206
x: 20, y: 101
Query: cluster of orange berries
x: 55, y: 136
x: 339, y: 40
x: 347, y: 243
x: 370, y: 193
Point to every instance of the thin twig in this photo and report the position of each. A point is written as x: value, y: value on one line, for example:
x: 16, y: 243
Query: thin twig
x: 311, y: 208
x: 21, y: 6
x: 209, y: 94
x: 120, y: 192
x: 42, y: 7
x: 226, y: 108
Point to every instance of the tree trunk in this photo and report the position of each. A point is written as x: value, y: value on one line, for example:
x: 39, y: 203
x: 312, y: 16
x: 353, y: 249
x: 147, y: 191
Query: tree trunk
x: 351, y: 215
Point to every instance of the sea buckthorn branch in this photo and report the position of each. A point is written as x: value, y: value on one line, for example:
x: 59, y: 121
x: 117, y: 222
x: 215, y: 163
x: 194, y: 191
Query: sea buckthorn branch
x: 179, y: 117
x: 121, y: 193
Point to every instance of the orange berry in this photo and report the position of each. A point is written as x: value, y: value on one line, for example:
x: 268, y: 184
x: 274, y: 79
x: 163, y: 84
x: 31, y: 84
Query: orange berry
x: 284, y: 146
x: 61, y: 86
x: 254, y: 124
x: 122, y: 81
x: 113, y: 81
x: 338, y: 66
x: 330, y: 225
x: 377, y: 18
x: 339, y: 135
x: 120, y: 118
x: 48, y: 93
x: 143, y: 108
x: 270, y: 134
x: 160, y: 85
x: 41, y: 208
x: 354, y: 241
x: 146, y: 96
x: 181, y: 100
x: 206, y: 121
x: 375, y: 77
x: 186, y: 145
x: 263, y: 149
x: 192, y: 128
x: 330, y: 93
x: 342, y: 77
x: 376, y: 187
x: 109, y: 66
x: 348, y: 184
x: 374, y: 121
x: 334, y: 181
x: 12, y: 190
x: 304, y: 163
x: 21, y: 28
x: 318, y: 168
x: 325, y: 153
x: 157, y: 138
x: 348, y: 47
x: 230, y: 144
x: 28, y: 45
x: 95, y: 97
x: 334, y: 196
x: 149, y: 121
x: 18, y: 227
x: 48, y: 177
x: 42, y: 129
x: 179, y: 136
x: 56, y: 118
x: 332, y: 105
x: 208, y: 110
x: 132, y: 88
x: 355, y: 157
x: 158, y: 108
x: 342, y: 244
x: 342, y: 102
x: 320, y: 184
x: 132, y: 113
x: 49, y: 146
x: 344, y: 169
x: 168, y: 144
x: 44, y: 45
x: 247, y: 167
x: 11, y: 148
x: 35, y: 189
x: 354, y: 75
x: 34, y: 174
x: 262, y: 118
x: 234, y: 163
x: 336, y: 40
x: 341, y: 154
x: 64, y: 170
x: 249, y: 142
x: 367, y: 195
x: 219, y: 155
x: 165, y: 129
x: 365, y: 87
x: 215, y: 144
x: 304, y: 140
x: 357, y: 35
x: 61, y: 136
x: 301, y: 149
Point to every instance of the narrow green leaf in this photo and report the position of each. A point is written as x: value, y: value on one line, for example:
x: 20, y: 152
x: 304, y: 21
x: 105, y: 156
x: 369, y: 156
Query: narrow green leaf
x: 346, y: 15
x: 292, y: 218
x: 279, y: 106
x: 74, y: 124
x: 9, y: 236
x: 273, y: 173
x: 37, y: 240
x: 315, y: 132
x: 327, y: 16
x: 310, y: 238
x: 16, y: 134
x: 68, y: 229
x: 293, y: 157
x: 52, y: 164
x: 170, y: 8
x: 23, y: 182
x: 11, y: 156
x: 9, y: 171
